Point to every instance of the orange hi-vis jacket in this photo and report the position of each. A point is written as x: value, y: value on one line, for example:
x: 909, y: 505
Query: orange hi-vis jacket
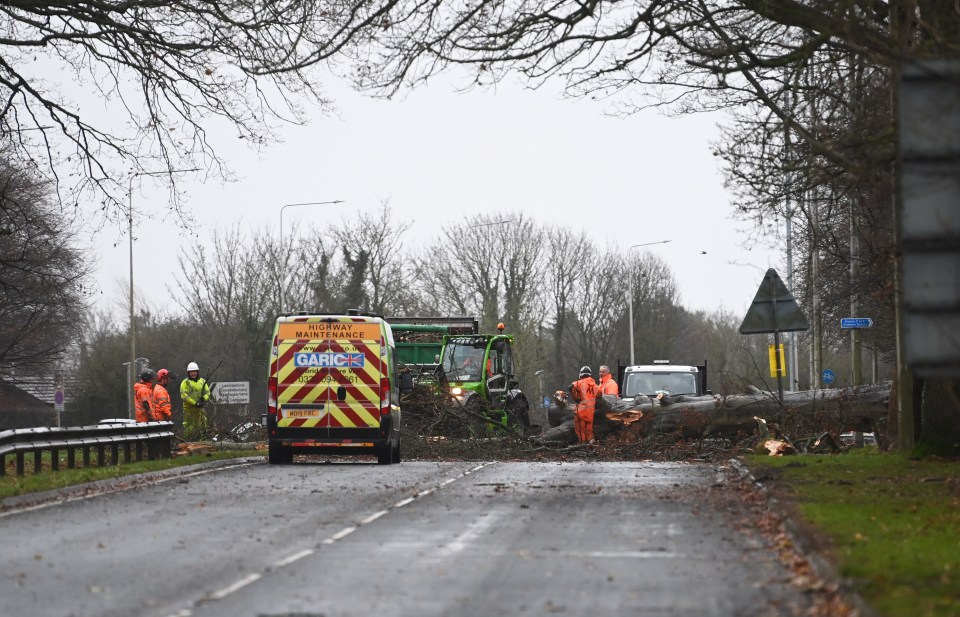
x: 162, y: 409
x: 143, y: 401
x: 584, y: 391
x: 609, y: 386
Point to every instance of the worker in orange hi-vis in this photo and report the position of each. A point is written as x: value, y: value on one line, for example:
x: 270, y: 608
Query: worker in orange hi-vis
x: 162, y: 410
x: 607, y: 384
x: 584, y: 392
x: 143, y: 396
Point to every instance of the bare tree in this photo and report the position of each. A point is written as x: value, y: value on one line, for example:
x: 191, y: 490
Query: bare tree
x: 596, y: 308
x: 170, y: 69
x: 42, y: 273
x: 225, y: 283
x: 566, y: 253
x: 385, y: 280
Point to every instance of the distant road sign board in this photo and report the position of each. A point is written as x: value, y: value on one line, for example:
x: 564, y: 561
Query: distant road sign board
x: 856, y: 322
x: 774, y: 309
x: 230, y: 392
x: 828, y: 376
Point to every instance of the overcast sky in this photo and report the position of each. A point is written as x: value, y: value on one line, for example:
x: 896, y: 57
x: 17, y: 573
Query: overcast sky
x: 438, y: 156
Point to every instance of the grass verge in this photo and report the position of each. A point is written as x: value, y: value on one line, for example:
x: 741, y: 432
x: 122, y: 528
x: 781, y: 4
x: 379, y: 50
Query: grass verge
x: 12, y: 485
x: 890, y: 524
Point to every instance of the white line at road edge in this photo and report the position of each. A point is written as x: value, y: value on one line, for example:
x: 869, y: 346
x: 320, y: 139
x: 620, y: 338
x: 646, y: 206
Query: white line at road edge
x: 219, y: 595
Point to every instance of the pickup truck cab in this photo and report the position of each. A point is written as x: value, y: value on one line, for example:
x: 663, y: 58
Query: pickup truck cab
x: 663, y: 377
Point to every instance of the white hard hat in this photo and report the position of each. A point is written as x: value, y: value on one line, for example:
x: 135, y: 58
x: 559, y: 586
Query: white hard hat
x: 192, y: 367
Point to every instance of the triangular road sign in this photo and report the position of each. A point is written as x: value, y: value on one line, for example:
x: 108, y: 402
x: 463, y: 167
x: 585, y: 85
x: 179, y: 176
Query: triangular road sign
x: 774, y: 309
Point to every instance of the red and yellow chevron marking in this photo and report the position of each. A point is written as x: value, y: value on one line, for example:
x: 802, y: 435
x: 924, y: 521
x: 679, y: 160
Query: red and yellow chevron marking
x: 306, y: 385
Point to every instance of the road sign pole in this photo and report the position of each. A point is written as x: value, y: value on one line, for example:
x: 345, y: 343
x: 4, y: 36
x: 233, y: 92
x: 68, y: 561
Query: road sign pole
x: 856, y: 342
x: 776, y: 354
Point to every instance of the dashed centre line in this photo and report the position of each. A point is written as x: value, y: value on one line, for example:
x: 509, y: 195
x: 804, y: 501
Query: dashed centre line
x: 243, y: 582
x: 286, y: 561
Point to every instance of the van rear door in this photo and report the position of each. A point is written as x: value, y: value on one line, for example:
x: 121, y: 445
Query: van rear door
x: 329, y: 376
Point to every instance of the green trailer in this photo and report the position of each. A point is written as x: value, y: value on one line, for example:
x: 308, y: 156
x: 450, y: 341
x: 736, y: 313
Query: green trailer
x: 420, y: 339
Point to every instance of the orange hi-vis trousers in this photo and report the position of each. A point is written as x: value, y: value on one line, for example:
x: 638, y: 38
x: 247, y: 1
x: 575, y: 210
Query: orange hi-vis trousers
x: 583, y: 423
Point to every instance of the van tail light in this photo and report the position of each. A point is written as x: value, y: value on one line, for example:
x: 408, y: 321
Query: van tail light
x: 272, y: 396
x: 384, y: 397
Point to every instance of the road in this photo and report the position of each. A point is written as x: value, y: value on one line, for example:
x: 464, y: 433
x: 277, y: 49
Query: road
x: 421, y: 538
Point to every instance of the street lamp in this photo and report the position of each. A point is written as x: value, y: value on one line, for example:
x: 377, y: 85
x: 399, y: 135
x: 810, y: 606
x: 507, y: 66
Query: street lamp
x: 282, y: 208
x: 133, y: 329
x: 630, y: 277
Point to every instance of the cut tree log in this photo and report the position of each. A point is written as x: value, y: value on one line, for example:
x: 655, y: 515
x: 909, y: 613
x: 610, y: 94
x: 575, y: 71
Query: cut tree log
x: 857, y: 408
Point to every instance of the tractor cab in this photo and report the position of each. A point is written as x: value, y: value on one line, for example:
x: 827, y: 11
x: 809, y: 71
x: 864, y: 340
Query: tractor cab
x: 480, y: 372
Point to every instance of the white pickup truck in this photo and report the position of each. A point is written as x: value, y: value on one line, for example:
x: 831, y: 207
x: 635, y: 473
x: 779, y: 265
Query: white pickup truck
x: 663, y: 377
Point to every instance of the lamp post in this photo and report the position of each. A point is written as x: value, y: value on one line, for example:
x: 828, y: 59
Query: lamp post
x: 133, y: 377
x: 630, y: 304
x: 284, y: 207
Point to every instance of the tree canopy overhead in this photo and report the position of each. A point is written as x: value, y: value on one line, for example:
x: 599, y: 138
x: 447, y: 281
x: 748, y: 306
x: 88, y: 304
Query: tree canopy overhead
x: 94, y: 93
x: 97, y: 93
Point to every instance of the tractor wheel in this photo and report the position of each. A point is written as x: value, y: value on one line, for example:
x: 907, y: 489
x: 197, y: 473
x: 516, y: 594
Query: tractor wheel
x: 518, y: 412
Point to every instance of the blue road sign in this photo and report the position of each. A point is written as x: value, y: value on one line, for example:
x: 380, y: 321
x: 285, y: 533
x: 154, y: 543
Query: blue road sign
x: 856, y: 322
x: 827, y: 376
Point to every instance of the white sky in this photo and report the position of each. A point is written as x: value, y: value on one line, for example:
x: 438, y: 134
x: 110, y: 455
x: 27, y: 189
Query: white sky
x: 439, y: 156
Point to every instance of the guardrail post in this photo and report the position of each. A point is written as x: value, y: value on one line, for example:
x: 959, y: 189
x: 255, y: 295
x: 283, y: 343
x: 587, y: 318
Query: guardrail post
x: 139, y: 450
x: 21, y: 464
x: 3, y: 465
x: 86, y: 456
x: 101, y: 455
x: 115, y: 453
x: 37, y: 461
x: 55, y: 459
x: 127, y: 452
x: 72, y: 458
x: 166, y: 447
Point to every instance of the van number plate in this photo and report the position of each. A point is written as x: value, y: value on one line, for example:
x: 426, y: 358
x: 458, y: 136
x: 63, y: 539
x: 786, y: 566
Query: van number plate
x: 303, y: 413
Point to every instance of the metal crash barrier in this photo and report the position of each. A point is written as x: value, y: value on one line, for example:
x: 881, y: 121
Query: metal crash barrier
x: 149, y: 439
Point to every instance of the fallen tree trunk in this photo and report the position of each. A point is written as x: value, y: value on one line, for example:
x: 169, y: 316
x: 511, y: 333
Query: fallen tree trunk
x: 859, y: 408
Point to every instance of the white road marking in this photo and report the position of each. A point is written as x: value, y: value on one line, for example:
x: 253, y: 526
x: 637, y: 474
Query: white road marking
x: 456, y: 546
x: 473, y: 531
x: 286, y: 561
x: 374, y: 517
x: 243, y: 582
x: 340, y: 535
x: 631, y: 555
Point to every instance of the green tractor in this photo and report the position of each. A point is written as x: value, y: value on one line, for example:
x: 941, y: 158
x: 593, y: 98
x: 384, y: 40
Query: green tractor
x: 480, y: 373
x: 447, y: 359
